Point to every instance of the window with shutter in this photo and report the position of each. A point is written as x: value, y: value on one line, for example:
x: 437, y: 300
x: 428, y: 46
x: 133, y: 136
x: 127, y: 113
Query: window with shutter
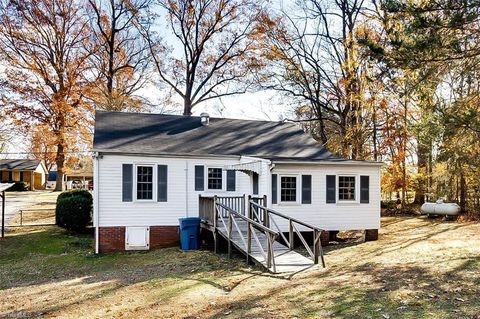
x: 214, y: 180
x: 127, y: 182
x: 274, y: 188
x: 162, y: 180
x: 144, y: 182
x: 346, y: 188
x: 231, y: 180
x: 288, y: 188
x: 364, y: 189
x: 306, y: 189
x: 331, y: 189
x: 199, y: 177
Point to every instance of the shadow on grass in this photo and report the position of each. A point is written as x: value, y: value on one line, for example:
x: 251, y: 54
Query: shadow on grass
x: 51, y: 256
x: 391, y: 292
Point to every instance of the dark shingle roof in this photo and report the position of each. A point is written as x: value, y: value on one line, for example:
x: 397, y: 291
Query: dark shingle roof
x: 19, y: 164
x: 138, y: 133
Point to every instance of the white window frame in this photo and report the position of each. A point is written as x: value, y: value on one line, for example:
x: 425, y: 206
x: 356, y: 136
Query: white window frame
x: 154, y: 185
x: 224, y: 179
x: 297, y: 191
x: 356, y: 191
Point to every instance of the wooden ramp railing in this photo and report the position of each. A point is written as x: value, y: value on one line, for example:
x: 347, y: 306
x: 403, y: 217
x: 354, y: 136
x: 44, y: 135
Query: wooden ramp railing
x: 266, y: 215
x: 246, y: 224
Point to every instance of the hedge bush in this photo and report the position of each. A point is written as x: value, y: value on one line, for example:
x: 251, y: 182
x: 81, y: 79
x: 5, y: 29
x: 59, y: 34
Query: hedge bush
x: 74, y: 210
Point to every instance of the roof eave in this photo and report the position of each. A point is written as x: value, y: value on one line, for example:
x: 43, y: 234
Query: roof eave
x: 179, y: 155
x: 328, y: 162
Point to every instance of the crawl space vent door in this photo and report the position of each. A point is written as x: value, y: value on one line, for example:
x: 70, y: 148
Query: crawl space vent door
x: 137, y: 238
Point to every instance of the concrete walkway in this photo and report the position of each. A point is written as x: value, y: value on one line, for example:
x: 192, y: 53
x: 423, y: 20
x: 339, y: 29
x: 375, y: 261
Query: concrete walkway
x: 16, y: 201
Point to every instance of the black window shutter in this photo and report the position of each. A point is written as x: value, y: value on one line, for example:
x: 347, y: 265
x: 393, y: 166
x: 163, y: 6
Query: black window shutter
x: 331, y: 188
x: 162, y: 179
x: 199, y: 177
x: 255, y: 183
x: 306, y: 189
x: 274, y: 188
x: 127, y: 182
x: 364, y: 189
x: 231, y: 177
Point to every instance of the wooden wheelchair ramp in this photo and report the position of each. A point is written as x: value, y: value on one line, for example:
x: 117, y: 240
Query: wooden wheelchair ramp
x: 286, y: 260
x: 256, y: 234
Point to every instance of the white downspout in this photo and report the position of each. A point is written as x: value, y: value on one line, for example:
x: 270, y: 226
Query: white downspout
x: 96, y: 168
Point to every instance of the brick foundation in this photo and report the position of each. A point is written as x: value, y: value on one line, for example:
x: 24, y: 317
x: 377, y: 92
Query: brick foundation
x: 112, y: 239
x: 164, y: 236
x: 371, y: 234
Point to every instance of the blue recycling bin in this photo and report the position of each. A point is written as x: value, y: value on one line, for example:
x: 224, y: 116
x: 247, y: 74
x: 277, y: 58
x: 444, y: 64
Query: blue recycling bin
x: 190, y: 233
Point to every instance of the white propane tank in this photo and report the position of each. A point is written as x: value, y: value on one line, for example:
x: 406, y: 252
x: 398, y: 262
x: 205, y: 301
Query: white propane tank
x: 440, y: 208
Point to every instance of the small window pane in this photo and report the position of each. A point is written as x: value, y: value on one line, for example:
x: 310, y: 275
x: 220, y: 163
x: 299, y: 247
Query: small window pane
x: 346, y: 187
x: 214, y: 178
x: 288, y: 189
x: 144, y: 182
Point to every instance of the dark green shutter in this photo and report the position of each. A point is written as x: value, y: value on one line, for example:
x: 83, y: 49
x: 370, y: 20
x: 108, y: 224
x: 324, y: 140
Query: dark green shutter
x: 162, y: 183
x: 231, y: 177
x: 274, y: 188
x: 331, y: 188
x: 364, y: 189
x: 199, y: 177
x: 127, y: 182
x: 255, y: 183
x: 306, y: 189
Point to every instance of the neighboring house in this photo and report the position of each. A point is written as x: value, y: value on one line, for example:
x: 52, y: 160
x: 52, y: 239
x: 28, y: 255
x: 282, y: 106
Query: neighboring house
x: 71, y: 179
x: 33, y: 172
x: 150, y: 170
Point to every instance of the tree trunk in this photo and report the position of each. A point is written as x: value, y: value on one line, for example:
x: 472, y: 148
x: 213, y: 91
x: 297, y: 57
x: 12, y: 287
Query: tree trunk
x: 187, y: 107
x: 60, y: 161
x: 422, y: 154
x: 463, y: 191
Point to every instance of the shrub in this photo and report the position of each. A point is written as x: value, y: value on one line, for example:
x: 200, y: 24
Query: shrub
x: 75, y: 192
x: 18, y: 186
x: 73, y: 211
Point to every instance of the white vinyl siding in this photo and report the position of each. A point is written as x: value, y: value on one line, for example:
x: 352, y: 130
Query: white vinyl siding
x: 342, y: 215
x: 183, y: 199
x: 181, y: 180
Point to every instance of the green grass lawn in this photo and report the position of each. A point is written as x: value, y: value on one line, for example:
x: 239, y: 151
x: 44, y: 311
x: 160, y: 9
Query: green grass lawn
x: 418, y: 269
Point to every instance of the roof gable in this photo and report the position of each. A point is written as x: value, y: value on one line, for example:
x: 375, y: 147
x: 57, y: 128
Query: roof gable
x: 139, y: 133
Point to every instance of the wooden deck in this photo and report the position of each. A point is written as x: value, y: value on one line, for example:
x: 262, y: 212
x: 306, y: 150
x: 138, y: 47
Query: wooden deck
x: 251, y: 228
x: 286, y: 260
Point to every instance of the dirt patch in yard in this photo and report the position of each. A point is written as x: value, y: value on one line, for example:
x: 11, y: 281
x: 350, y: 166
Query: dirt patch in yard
x: 419, y: 268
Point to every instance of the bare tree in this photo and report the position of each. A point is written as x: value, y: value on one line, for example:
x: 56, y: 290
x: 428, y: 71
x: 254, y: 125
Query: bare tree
x: 314, y: 60
x: 120, y: 55
x: 217, y: 41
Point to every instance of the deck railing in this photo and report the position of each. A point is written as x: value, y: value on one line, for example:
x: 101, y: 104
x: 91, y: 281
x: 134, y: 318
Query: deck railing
x: 265, y: 216
x: 227, y: 219
x: 206, y: 205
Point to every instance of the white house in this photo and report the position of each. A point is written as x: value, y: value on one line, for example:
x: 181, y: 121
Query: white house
x: 150, y: 169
